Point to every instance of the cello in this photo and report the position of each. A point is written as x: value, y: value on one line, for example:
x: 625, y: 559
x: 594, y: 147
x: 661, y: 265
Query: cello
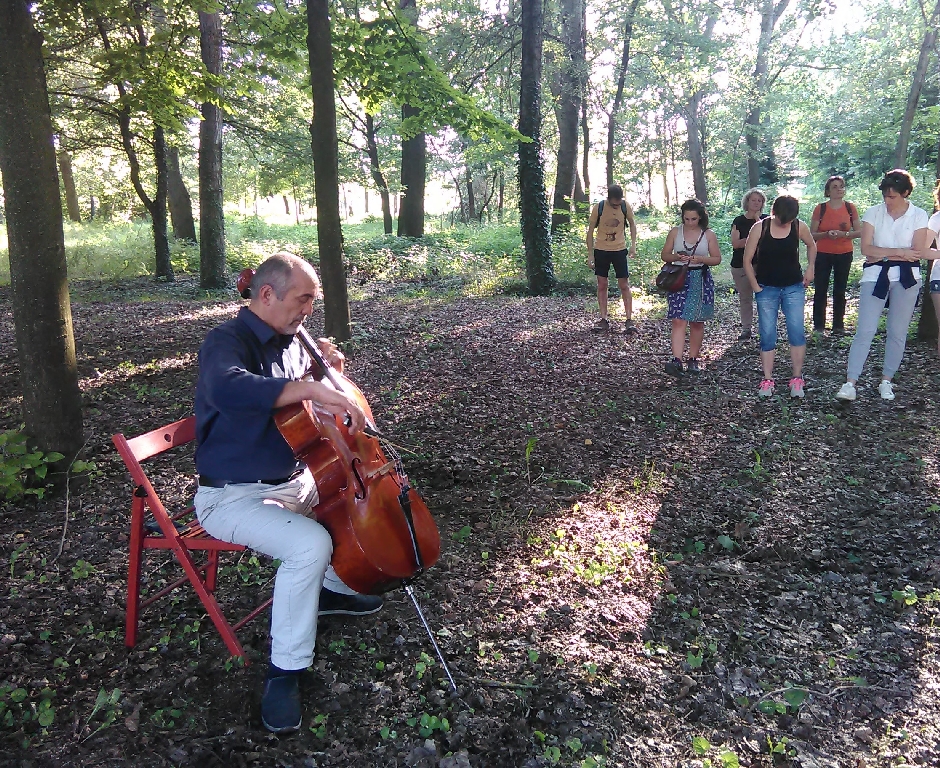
x: 383, y: 533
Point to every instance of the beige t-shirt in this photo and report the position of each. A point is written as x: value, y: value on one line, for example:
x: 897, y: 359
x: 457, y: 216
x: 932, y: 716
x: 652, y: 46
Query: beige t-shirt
x: 610, y: 234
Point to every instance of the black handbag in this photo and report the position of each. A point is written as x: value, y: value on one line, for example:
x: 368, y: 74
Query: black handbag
x: 671, y: 277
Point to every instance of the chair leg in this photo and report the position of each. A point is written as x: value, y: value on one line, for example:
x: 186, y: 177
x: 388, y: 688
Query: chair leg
x: 212, y: 567
x: 135, y: 554
x: 209, y: 602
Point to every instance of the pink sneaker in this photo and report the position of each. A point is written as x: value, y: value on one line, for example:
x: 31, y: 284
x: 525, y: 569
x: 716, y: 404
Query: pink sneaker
x: 766, y: 388
x: 796, y: 386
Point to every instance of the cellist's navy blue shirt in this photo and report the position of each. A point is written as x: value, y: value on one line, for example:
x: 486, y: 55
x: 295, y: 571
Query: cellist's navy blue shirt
x: 244, y: 365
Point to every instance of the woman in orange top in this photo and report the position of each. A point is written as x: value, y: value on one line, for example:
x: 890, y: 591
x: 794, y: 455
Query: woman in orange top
x: 835, y: 224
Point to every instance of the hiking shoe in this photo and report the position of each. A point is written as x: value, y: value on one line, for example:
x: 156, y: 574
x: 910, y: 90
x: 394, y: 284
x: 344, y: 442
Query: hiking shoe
x: 692, y: 366
x: 630, y: 329
x: 766, y: 388
x: 886, y: 390
x: 336, y: 604
x: 281, y: 710
x: 601, y: 326
x: 796, y: 386
x: 674, y: 367
x: 847, y: 392
x: 745, y: 335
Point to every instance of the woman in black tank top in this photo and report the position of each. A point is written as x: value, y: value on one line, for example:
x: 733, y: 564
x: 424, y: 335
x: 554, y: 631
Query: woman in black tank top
x: 779, y: 283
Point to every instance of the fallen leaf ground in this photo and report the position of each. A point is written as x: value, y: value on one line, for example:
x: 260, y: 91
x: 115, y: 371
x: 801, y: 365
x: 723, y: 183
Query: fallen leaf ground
x: 636, y: 570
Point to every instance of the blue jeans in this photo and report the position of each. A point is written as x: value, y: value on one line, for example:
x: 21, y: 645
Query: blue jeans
x: 770, y: 300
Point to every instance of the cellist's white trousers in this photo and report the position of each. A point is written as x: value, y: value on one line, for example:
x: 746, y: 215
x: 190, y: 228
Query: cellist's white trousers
x: 271, y: 519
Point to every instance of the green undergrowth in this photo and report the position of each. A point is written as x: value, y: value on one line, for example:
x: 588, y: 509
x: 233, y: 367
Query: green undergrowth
x: 480, y: 259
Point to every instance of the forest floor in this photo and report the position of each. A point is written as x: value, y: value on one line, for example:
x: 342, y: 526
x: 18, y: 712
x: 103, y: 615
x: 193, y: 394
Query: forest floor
x: 637, y: 570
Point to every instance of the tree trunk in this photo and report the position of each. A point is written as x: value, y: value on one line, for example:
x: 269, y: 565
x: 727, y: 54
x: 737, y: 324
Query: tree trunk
x: 181, y: 205
x: 579, y: 194
x: 618, y: 98
x: 927, y: 324
x: 156, y: 207
x: 696, y: 154
x: 161, y: 240
x: 567, y: 87
x: 500, y: 202
x: 770, y: 14
x: 42, y: 315
x: 413, y: 172
x: 68, y: 183
x: 585, y: 126
x: 913, y: 96
x: 533, y: 206
x: 471, y: 199
x: 413, y: 161
x: 212, y: 273
x: 326, y: 171
x: 377, y: 176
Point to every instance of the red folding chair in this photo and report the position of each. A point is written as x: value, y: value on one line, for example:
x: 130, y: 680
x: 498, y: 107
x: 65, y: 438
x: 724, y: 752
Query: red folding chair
x: 179, y: 532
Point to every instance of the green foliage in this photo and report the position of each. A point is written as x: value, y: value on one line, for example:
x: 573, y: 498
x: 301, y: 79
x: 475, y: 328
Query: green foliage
x: 386, y: 60
x: 22, y: 470
x: 18, y: 708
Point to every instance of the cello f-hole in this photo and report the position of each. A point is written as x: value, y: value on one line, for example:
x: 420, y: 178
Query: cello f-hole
x: 361, y: 491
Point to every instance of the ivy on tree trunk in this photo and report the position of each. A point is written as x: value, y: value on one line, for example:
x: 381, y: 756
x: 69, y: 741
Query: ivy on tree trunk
x: 533, y: 205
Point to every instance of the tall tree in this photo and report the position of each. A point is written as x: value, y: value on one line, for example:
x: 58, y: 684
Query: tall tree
x: 618, y: 96
x: 326, y: 171
x: 533, y: 206
x: 42, y: 314
x: 156, y: 205
x: 770, y: 13
x: 567, y: 84
x: 68, y: 184
x: 377, y: 176
x: 917, y: 84
x: 414, y: 160
x: 178, y: 199
x: 211, y: 215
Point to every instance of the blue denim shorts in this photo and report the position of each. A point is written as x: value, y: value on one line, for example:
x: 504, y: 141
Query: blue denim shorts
x: 770, y: 300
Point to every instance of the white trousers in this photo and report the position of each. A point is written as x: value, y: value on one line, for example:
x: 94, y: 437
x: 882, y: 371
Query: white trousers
x: 270, y: 519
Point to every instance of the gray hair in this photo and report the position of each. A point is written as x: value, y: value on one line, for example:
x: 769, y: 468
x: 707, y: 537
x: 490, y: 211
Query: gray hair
x: 278, y: 272
x: 747, y: 196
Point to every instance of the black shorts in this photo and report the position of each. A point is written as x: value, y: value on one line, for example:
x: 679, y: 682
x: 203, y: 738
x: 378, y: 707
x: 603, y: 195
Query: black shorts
x: 604, y: 259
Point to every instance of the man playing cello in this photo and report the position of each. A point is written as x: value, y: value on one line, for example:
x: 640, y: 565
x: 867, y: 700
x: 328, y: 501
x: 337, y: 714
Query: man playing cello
x: 252, y: 491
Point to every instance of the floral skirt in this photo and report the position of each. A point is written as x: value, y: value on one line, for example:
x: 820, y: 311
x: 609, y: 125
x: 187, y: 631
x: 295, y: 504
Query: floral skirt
x: 696, y: 302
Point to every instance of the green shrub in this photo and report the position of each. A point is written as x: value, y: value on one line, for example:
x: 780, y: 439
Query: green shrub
x: 21, y: 467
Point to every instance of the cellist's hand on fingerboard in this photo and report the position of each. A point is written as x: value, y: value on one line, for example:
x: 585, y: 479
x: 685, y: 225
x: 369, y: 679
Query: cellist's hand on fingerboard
x: 332, y: 354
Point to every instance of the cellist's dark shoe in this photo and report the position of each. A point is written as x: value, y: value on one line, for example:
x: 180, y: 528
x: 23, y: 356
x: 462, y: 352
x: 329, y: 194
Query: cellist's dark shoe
x: 281, y: 710
x: 335, y: 604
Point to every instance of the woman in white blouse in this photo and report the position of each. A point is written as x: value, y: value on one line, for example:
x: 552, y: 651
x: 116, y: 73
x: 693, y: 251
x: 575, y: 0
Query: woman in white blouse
x: 894, y: 239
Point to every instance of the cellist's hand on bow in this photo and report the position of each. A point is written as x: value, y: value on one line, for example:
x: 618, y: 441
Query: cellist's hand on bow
x: 326, y: 398
x: 332, y: 354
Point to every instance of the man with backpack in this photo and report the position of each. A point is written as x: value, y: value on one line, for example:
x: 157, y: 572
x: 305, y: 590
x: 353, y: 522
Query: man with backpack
x: 610, y: 218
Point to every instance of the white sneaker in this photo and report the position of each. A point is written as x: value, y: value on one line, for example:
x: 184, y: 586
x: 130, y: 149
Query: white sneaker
x: 847, y: 392
x: 886, y: 390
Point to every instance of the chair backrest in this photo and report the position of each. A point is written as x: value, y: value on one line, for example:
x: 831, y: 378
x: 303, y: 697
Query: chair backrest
x: 157, y: 441
x: 147, y: 446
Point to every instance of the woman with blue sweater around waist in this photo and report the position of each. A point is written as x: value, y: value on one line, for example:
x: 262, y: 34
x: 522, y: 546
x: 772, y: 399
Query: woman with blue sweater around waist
x: 894, y: 239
